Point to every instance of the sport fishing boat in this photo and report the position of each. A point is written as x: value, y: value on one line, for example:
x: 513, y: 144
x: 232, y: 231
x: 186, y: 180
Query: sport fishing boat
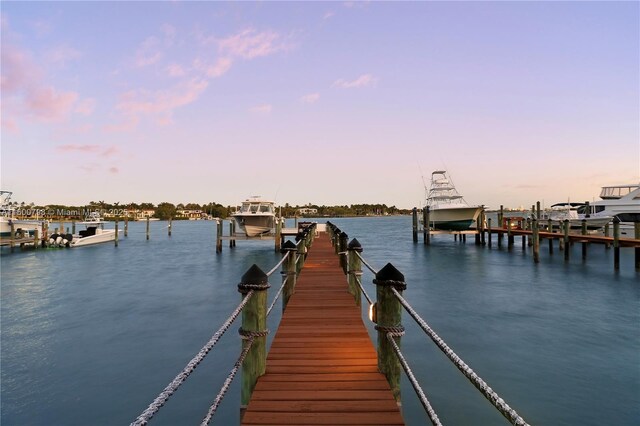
x: 448, y: 209
x: 256, y: 216
x: 94, y: 232
x: 22, y: 228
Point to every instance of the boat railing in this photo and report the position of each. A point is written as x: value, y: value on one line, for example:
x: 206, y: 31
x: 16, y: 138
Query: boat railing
x: 386, y: 313
x: 253, y: 286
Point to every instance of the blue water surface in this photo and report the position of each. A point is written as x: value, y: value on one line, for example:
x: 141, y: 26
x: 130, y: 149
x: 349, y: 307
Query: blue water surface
x: 91, y: 335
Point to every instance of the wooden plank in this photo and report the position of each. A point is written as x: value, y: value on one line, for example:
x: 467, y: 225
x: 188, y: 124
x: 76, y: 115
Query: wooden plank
x: 323, y: 406
x: 336, y: 418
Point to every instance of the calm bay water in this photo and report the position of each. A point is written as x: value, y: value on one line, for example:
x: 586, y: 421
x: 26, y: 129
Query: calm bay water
x: 91, y: 335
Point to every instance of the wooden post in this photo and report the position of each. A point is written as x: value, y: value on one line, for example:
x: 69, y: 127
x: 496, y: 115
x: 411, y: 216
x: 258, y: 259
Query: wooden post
x: 415, y: 225
x: 73, y: 227
x: 567, y: 247
x: 606, y: 234
x: 278, y: 234
x: 147, y: 228
x: 550, y: 230
x: 344, y: 242
x: 170, y: 227
x: 218, y: 235
x: 231, y: 233
x: 538, y: 211
x: 616, y: 243
x: 482, y: 230
x: 116, y: 239
x: 355, y: 269
x: 510, y: 237
x: 584, y: 243
x: 478, y: 229
x: 300, y: 254
x: 126, y: 226
x: 636, y: 235
x: 489, y: 231
x: 536, y: 240
x: 530, y: 227
x: 254, y: 320
x: 288, y: 272
x: 388, y: 317
x: 35, y: 239
x: 426, y: 228
x: 12, y: 237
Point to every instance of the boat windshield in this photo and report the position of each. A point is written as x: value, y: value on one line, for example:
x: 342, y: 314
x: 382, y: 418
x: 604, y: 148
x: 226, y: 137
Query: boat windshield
x: 616, y: 192
x: 256, y: 207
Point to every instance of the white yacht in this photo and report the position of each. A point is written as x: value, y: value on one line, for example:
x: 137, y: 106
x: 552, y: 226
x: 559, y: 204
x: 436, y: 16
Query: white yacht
x: 21, y: 227
x: 256, y: 216
x: 94, y: 232
x: 621, y: 201
x: 575, y: 214
x: 448, y: 209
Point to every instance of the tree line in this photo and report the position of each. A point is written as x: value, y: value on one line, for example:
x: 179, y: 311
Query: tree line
x: 166, y: 210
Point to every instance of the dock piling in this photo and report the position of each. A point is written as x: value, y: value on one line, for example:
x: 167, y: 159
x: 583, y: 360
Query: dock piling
x: 426, y: 228
x: 415, y: 224
x: 289, y: 272
x: 254, y: 330
x: 126, y: 226
x: 116, y: 239
x: 147, y: 228
x: 536, y: 240
x: 567, y: 246
x: 584, y: 243
x: 389, y: 319
x: 616, y: 243
x: 169, y: 227
x: 218, y: 236
x: 355, y: 269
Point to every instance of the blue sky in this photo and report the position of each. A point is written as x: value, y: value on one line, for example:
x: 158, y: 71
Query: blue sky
x: 330, y: 103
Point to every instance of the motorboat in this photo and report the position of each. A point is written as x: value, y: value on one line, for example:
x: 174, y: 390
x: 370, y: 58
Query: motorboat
x: 575, y: 213
x: 256, y: 216
x: 94, y: 232
x: 621, y: 201
x: 447, y: 208
x: 22, y: 228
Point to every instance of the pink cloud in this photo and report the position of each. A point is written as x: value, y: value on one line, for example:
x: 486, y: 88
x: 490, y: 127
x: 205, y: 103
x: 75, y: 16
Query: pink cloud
x: 249, y: 44
x: 261, y: 109
x: 126, y: 125
x: 78, y: 148
x: 137, y: 102
x: 148, y: 53
x: 219, y: 68
x: 175, y: 70
x: 110, y: 151
x: 113, y: 170
x: 310, y: 98
x: 364, y: 80
x: 62, y: 54
x: 86, y: 106
x: 25, y: 92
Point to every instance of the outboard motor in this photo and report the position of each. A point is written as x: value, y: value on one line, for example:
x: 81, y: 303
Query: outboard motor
x: 66, y: 241
x: 53, y: 238
x: 59, y: 240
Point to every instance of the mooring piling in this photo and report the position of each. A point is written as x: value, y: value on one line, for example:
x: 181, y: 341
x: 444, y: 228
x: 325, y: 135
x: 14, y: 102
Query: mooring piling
x: 355, y: 269
x: 415, y: 224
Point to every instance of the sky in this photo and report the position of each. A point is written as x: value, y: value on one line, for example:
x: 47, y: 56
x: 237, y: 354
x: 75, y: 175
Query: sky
x: 328, y: 103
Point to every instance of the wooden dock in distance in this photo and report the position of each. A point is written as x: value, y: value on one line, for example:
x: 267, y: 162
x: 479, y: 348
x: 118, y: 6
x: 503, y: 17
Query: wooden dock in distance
x: 322, y: 366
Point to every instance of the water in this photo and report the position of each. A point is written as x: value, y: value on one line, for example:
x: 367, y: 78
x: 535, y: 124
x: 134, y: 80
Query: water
x: 92, y: 335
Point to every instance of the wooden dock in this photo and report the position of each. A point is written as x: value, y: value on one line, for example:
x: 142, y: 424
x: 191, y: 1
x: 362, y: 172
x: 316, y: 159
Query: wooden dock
x: 322, y: 366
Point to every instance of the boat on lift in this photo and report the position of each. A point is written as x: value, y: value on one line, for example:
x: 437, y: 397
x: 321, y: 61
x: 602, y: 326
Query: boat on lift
x: 448, y: 209
x: 22, y: 228
x: 256, y: 216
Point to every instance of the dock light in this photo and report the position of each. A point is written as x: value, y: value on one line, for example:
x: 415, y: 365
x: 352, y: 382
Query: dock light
x: 373, y: 312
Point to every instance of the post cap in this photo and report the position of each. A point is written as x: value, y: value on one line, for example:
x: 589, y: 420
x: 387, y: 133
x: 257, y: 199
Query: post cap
x: 288, y: 246
x: 354, y: 245
x: 254, y: 275
x: 344, y: 235
x: 616, y: 219
x: 390, y: 276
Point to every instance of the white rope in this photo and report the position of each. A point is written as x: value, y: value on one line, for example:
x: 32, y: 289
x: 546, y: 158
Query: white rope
x: 480, y: 384
x: 160, y: 400
x: 278, y: 265
x: 366, y: 264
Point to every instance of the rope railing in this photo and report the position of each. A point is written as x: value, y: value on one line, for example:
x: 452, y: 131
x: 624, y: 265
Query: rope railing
x: 369, y: 267
x: 254, y: 280
x: 278, y: 264
x: 476, y: 380
x: 227, y: 383
x: 363, y: 291
x: 275, y: 299
x: 499, y: 403
x: 412, y: 378
x: 162, y: 398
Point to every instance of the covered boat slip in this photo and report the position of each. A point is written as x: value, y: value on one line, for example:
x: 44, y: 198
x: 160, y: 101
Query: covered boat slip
x: 322, y: 367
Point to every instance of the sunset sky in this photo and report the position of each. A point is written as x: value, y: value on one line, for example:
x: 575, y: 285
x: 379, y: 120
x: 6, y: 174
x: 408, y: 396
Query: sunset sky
x: 326, y: 103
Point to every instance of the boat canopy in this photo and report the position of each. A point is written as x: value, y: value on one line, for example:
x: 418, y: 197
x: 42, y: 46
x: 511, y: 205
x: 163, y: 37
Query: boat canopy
x: 617, y: 192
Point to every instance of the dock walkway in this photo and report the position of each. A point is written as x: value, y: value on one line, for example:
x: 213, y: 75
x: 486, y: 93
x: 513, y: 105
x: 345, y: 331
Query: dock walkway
x: 322, y: 367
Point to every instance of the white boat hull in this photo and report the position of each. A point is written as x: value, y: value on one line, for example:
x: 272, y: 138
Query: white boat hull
x: 453, y: 218
x: 101, y: 236
x: 27, y: 227
x: 255, y: 225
